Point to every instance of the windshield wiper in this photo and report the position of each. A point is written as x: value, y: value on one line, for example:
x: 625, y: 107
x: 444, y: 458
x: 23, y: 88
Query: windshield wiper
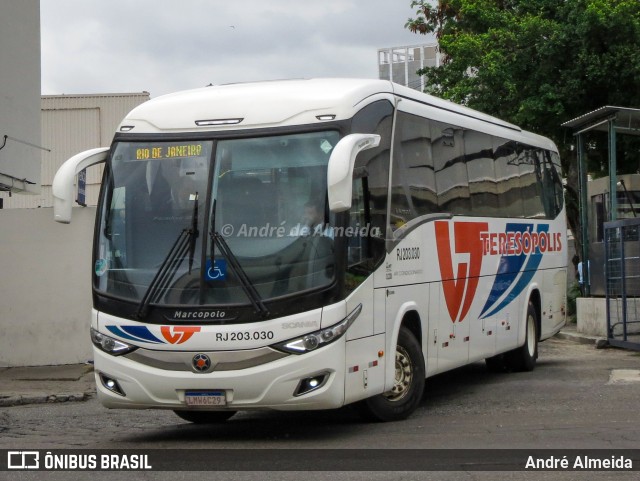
x: 186, y: 241
x: 245, y: 282
x: 194, y: 232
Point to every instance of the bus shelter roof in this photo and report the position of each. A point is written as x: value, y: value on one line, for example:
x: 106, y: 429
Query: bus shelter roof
x: 626, y: 120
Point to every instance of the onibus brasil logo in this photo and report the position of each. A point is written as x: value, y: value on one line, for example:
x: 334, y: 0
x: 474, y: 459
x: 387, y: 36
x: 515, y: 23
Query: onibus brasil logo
x: 520, y: 248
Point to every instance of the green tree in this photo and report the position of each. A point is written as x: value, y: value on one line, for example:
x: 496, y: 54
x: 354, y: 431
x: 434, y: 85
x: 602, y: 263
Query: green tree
x: 538, y: 63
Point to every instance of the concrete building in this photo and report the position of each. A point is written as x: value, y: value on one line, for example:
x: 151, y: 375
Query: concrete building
x: 400, y: 64
x: 45, y: 303
x: 20, y: 140
x: 71, y: 124
x: 45, y: 292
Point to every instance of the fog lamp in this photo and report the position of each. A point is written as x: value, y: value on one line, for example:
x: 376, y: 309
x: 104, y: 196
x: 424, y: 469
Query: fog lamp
x: 111, y: 384
x: 310, y: 384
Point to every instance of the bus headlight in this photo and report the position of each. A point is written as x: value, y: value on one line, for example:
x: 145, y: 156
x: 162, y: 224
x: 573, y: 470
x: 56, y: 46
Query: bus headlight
x: 109, y: 344
x: 314, y: 340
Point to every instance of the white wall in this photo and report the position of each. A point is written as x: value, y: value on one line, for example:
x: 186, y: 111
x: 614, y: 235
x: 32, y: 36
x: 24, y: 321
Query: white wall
x: 45, y: 287
x: 591, y: 316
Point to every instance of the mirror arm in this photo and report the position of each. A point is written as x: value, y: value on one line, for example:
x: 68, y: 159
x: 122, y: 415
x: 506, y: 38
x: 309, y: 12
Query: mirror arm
x: 63, y: 182
x: 341, y: 165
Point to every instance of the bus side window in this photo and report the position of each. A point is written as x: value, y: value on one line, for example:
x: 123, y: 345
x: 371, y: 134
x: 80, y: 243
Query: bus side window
x: 551, y: 184
x: 364, y: 237
x: 376, y: 118
x: 357, y: 242
x: 506, y: 157
x: 450, y: 168
x: 413, y: 191
x: 483, y: 188
x: 530, y: 183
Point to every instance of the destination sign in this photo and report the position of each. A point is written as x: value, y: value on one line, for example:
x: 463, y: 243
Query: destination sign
x: 169, y: 151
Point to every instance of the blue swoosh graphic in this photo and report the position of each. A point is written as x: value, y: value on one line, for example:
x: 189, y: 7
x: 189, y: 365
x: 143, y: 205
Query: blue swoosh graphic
x: 530, y: 270
x: 508, y: 270
x: 135, y: 333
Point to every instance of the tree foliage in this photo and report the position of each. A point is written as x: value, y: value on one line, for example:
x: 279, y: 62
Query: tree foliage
x: 537, y: 63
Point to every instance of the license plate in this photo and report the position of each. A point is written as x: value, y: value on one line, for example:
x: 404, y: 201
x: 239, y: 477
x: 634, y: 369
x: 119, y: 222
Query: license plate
x: 205, y: 398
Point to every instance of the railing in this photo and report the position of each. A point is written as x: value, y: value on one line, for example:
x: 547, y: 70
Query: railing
x: 622, y: 276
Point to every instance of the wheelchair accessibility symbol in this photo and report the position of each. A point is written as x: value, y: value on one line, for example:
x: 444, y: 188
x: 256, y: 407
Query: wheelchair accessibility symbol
x: 217, y: 271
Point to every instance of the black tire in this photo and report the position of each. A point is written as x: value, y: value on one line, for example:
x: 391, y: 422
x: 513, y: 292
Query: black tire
x: 406, y: 394
x: 205, y: 417
x: 524, y: 357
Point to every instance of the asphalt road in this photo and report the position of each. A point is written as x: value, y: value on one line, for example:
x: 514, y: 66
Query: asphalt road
x: 572, y: 400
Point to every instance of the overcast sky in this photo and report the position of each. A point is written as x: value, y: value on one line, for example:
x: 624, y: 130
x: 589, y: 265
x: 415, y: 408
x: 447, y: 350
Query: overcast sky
x: 103, y: 46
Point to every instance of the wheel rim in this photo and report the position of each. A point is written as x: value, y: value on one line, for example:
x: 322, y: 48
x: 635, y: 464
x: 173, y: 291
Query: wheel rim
x: 404, y: 376
x: 531, y: 335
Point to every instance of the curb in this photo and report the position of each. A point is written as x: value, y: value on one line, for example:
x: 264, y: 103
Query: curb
x: 41, y: 398
x: 598, y: 342
x: 26, y: 385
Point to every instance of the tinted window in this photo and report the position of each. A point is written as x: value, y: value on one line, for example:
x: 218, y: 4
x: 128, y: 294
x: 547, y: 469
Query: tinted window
x: 483, y: 188
x: 370, y: 193
x: 529, y: 166
x: 552, y: 184
x: 413, y: 184
x: 507, y: 177
x: 452, y: 183
x: 442, y: 168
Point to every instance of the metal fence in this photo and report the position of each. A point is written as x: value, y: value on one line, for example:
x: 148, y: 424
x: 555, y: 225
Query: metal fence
x: 622, y: 274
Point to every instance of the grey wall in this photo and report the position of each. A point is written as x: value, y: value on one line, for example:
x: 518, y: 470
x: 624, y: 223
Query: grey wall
x: 45, y: 287
x: 20, y: 95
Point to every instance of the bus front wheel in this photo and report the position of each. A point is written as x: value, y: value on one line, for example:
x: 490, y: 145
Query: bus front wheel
x: 406, y: 394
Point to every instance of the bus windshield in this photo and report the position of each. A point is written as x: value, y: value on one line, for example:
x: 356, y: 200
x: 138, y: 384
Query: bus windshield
x: 227, y: 222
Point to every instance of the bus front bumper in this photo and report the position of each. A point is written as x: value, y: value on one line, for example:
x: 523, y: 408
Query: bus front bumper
x: 283, y: 384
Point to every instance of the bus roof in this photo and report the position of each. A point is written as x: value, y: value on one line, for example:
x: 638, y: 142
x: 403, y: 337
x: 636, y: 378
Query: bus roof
x: 284, y: 103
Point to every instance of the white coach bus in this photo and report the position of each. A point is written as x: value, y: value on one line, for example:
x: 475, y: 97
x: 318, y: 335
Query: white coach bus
x: 308, y: 244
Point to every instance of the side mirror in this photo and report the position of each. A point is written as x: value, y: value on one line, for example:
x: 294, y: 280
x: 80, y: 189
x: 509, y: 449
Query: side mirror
x: 62, y: 187
x: 340, y: 168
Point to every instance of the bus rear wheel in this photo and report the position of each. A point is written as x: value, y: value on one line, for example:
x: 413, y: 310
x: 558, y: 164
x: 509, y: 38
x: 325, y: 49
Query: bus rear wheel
x: 406, y: 393
x: 524, y: 357
x: 205, y: 417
